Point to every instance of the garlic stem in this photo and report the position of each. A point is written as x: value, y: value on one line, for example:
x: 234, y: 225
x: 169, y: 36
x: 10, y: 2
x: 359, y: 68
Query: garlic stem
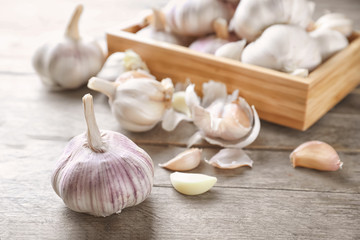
x: 106, y: 87
x: 72, y: 30
x: 221, y: 28
x: 93, y: 132
x: 158, y: 20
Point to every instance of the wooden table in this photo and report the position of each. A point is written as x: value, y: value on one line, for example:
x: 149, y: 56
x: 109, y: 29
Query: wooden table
x: 270, y: 201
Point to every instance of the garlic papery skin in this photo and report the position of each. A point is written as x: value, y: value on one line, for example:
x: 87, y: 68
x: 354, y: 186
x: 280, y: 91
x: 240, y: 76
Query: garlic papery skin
x: 184, y: 161
x: 225, y: 120
x: 284, y: 48
x: 138, y: 104
x: 102, y: 172
x: 157, y: 31
x: 335, y: 21
x: 192, y: 183
x: 232, y: 50
x: 329, y: 41
x: 133, y: 74
x: 316, y: 155
x: 70, y: 62
x: 253, y: 16
x: 195, y: 17
x: 230, y: 158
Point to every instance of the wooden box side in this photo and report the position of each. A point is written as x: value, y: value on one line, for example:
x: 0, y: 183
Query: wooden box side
x: 332, y: 81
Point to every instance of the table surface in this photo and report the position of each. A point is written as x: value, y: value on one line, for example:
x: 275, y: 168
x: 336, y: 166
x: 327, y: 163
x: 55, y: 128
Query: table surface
x: 271, y: 200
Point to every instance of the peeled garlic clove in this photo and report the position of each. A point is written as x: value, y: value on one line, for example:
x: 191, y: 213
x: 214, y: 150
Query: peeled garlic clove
x: 253, y: 16
x: 184, y: 161
x: 102, y: 172
x: 138, y: 104
x: 70, y: 62
x: 284, y: 48
x: 329, y: 41
x: 232, y: 50
x: 192, y: 183
x: 230, y: 158
x: 317, y: 155
x: 335, y: 21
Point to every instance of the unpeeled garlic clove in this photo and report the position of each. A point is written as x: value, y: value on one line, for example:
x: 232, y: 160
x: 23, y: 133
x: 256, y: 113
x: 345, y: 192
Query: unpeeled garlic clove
x: 230, y: 158
x: 192, y: 183
x: 184, y: 161
x: 317, y: 155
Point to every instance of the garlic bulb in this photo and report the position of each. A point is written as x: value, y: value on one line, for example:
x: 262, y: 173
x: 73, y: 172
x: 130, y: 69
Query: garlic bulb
x: 196, y: 17
x: 329, y: 41
x: 138, y: 104
x: 223, y: 120
x: 158, y: 31
x: 102, y: 172
x: 192, y: 183
x: 69, y: 63
x: 335, y: 21
x: 232, y: 50
x: 285, y: 48
x: 317, y: 155
x: 184, y: 161
x: 211, y: 43
x: 253, y: 16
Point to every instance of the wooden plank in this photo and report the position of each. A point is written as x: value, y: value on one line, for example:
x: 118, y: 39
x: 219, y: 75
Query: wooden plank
x: 221, y: 213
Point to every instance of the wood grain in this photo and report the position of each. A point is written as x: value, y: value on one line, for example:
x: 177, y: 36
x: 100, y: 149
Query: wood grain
x: 270, y: 201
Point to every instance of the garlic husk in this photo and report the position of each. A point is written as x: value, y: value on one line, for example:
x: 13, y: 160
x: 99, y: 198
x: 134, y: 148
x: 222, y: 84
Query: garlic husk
x: 184, y: 161
x: 329, y: 41
x: 158, y: 31
x: 138, y: 104
x: 230, y: 158
x: 196, y: 17
x: 70, y: 62
x: 316, y: 155
x: 102, y: 172
x: 192, y: 183
x: 253, y: 16
x: 232, y: 50
x: 284, y: 48
x: 225, y: 120
x: 335, y: 21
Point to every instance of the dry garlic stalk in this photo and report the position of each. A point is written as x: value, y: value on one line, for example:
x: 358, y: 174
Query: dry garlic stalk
x: 184, y: 161
x: 253, y: 16
x: 138, y: 104
x: 317, y: 155
x: 192, y: 183
x: 70, y: 62
x: 285, y: 48
x: 102, y: 172
x: 196, y: 17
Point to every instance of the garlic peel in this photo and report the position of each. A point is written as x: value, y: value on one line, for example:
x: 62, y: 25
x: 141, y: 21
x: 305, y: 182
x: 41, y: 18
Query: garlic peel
x: 230, y: 158
x: 335, y: 21
x: 184, y: 161
x: 102, y: 172
x: 317, y: 155
x: 192, y: 183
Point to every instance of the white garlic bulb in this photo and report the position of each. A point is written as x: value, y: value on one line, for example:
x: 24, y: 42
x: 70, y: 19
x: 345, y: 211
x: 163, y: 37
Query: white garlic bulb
x: 195, y: 17
x: 329, y: 41
x: 335, y: 21
x: 102, y: 172
x: 285, y: 48
x: 69, y: 63
x: 158, y: 31
x: 225, y: 120
x: 253, y: 16
x: 139, y: 103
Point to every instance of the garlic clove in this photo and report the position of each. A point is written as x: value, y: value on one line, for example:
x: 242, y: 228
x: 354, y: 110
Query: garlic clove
x: 232, y: 50
x: 132, y: 61
x: 335, y: 21
x: 230, y: 158
x: 192, y: 183
x: 316, y: 155
x: 184, y: 161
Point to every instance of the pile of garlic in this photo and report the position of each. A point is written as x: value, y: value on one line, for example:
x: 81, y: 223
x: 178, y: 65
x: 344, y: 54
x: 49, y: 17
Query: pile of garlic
x: 280, y: 34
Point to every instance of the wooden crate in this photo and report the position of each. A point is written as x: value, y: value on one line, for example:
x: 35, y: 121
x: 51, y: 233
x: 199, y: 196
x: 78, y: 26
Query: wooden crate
x: 278, y: 97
